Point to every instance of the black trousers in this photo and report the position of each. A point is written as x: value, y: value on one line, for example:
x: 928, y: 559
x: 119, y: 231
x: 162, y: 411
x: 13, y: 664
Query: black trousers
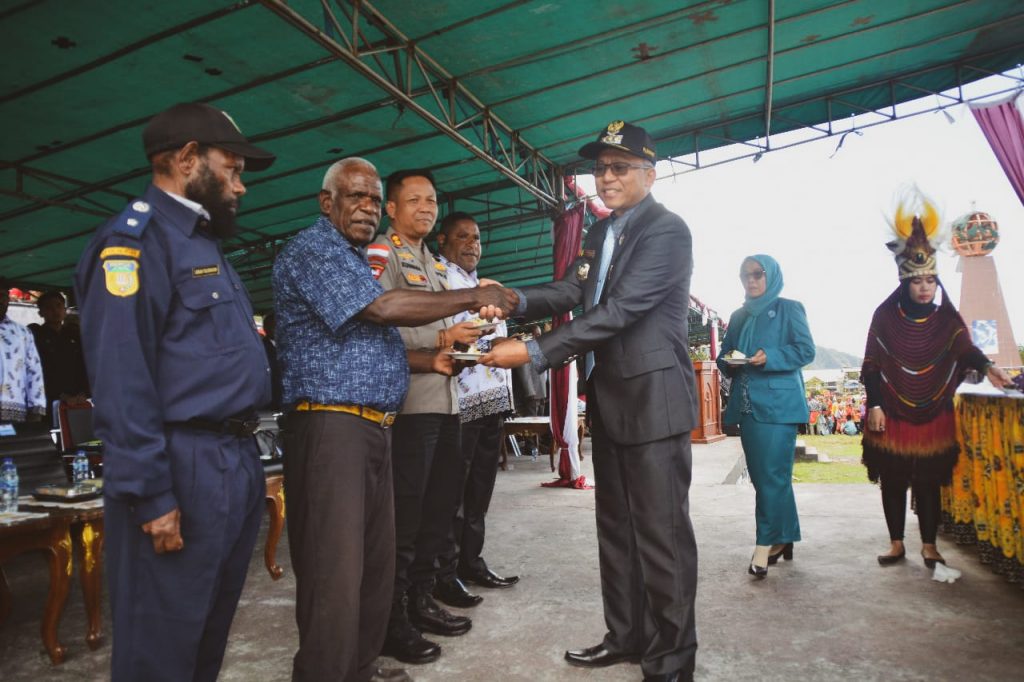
x: 646, y: 548
x: 172, y: 612
x: 428, y: 466
x: 927, y: 504
x: 481, y: 450
x: 341, y: 536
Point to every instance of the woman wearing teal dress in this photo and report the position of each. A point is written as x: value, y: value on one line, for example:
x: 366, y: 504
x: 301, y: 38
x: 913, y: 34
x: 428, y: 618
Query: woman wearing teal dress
x: 768, y: 401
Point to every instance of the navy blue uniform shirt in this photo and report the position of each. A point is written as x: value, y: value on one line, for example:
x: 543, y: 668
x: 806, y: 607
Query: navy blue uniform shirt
x: 327, y: 354
x: 168, y: 335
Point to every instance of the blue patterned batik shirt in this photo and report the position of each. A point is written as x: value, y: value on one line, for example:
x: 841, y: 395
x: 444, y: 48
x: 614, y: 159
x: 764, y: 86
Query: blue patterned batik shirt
x: 328, y: 355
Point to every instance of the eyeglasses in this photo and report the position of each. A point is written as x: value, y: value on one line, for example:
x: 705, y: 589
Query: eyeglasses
x: 619, y: 168
x: 756, y: 276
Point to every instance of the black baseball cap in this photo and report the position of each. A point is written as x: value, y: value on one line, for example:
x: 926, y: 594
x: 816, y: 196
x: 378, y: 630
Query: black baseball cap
x: 623, y: 136
x: 194, y: 121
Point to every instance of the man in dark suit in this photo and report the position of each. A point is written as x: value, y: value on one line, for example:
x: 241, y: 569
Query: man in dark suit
x: 633, y: 280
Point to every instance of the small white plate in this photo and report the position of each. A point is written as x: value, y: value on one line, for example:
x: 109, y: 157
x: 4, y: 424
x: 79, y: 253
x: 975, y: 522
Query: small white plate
x: 736, y: 361
x: 468, y: 357
x: 486, y: 328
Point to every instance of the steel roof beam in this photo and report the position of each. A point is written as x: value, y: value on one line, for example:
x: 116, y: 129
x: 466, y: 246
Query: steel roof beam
x: 400, y: 87
x: 769, y: 76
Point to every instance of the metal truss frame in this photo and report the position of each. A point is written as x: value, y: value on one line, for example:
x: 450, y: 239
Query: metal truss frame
x: 361, y: 36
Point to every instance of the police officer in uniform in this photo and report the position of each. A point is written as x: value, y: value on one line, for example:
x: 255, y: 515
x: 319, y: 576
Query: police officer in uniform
x: 426, y: 445
x: 178, y: 371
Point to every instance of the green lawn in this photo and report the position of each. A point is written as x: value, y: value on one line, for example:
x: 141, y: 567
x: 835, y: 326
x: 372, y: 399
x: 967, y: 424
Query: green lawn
x: 829, y: 472
x: 837, y: 447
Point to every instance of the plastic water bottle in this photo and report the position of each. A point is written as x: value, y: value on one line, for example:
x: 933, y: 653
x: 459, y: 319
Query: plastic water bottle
x: 80, y: 467
x: 8, y: 486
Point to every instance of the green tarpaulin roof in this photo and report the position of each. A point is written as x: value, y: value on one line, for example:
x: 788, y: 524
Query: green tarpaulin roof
x: 496, y: 97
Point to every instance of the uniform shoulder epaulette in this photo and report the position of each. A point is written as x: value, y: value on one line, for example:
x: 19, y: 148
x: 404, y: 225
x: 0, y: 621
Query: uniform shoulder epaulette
x: 133, y: 219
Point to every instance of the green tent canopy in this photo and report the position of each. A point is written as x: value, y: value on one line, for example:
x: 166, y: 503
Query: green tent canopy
x: 494, y: 96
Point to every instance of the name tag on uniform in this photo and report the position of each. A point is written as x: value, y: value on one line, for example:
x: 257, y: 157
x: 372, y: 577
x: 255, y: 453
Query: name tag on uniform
x: 206, y: 271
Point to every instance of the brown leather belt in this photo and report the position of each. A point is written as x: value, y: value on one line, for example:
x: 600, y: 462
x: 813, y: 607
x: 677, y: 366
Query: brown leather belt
x: 382, y: 419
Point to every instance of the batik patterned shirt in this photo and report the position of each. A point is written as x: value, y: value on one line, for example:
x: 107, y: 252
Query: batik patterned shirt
x: 21, y: 374
x: 327, y: 354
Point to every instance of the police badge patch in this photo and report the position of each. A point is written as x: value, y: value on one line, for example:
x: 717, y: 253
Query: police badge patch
x: 122, y: 277
x: 582, y: 271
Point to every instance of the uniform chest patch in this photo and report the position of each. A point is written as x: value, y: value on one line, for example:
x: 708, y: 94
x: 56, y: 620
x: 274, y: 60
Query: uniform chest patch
x: 121, y: 277
x: 415, y: 279
x: 396, y: 240
x: 206, y: 270
x: 582, y: 271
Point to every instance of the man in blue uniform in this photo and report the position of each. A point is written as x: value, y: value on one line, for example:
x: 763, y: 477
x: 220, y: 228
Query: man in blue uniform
x: 178, y: 371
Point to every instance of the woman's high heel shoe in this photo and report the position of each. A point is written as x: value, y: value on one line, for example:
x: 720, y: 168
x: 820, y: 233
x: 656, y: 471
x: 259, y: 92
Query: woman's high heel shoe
x: 786, y: 553
x: 759, y: 572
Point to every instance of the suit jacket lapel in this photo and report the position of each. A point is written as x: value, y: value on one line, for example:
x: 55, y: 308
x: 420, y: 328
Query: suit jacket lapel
x: 626, y: 242
x: 595, y: 239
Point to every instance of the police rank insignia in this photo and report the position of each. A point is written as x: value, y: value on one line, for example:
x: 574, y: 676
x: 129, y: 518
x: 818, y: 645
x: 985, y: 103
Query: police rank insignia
x: 582, y: 271
x: 612, y: 135
x: 122, y: 276
x: 396, y: 240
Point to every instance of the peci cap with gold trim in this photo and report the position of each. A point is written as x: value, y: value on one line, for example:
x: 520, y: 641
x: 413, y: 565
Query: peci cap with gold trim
x: 623, y: 136
x: 193, y: 121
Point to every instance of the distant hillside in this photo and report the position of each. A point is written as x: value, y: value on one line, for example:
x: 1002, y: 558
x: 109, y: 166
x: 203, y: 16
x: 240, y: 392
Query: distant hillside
x: 827, y: 358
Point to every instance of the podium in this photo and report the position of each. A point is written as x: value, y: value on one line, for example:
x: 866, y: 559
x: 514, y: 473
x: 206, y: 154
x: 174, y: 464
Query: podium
x: 709, y: 425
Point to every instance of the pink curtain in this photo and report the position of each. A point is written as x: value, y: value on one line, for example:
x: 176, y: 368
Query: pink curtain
x: 568, y: 231
x: 1004, y: 129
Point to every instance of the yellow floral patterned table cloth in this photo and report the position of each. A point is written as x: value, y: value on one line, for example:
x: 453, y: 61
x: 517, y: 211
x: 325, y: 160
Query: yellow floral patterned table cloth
x: 985, y: 502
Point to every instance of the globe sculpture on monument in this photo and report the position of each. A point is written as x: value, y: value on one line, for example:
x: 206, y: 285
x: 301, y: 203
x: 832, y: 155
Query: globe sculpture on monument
x: 975, y: 236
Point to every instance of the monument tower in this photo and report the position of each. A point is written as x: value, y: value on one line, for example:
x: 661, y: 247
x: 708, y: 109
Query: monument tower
x: 975, y: 236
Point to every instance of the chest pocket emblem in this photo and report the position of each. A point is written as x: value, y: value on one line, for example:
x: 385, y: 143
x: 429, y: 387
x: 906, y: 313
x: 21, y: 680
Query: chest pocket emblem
x: 583, y: 271
x: 415, y: 279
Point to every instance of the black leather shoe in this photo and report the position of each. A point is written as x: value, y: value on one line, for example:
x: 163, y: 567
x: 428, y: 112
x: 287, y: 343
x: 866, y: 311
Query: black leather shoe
x: 759, y: 572
x: 890, y: 559
x: 454, y: 593
x: 488, y: 578
x: 390, y: 675
x: 598, y: 657
x: 930, y: 563
x: 407, y: 645
x: 785, y: 553
x: 429, y: 617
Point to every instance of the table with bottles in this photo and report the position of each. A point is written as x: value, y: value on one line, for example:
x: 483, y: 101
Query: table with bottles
x: 28, y: 525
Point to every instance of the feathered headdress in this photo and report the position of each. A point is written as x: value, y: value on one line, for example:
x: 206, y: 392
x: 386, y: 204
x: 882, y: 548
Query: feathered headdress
x: 917, y: 228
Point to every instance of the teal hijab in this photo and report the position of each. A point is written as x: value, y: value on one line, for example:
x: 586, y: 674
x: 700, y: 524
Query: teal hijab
x: 755, y: 306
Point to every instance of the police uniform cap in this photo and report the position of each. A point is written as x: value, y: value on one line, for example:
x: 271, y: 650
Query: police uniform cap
x: 197, y: 122
x: 623, y: 136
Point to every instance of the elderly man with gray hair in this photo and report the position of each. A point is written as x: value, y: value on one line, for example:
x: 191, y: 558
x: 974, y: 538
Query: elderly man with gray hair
x: 345, y: 373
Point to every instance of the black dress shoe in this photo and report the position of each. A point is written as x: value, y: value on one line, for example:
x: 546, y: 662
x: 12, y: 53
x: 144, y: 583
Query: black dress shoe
x: 429, y: 617
x: 407, y: 645
x: 390, y: 675
x: 785, y: 553
x: 488, y: 578
x: 890, y: 559
x: 598, y: 657
x: 759, y: 572
x: 454, y: 593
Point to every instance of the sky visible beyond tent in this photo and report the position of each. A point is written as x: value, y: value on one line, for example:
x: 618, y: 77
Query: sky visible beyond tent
x: 824, y: 219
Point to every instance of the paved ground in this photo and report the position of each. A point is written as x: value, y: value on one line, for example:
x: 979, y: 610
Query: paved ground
x: 831, y: 614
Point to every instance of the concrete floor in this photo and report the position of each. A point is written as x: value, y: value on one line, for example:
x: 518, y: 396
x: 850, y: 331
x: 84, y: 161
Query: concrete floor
x: 831, y: 614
